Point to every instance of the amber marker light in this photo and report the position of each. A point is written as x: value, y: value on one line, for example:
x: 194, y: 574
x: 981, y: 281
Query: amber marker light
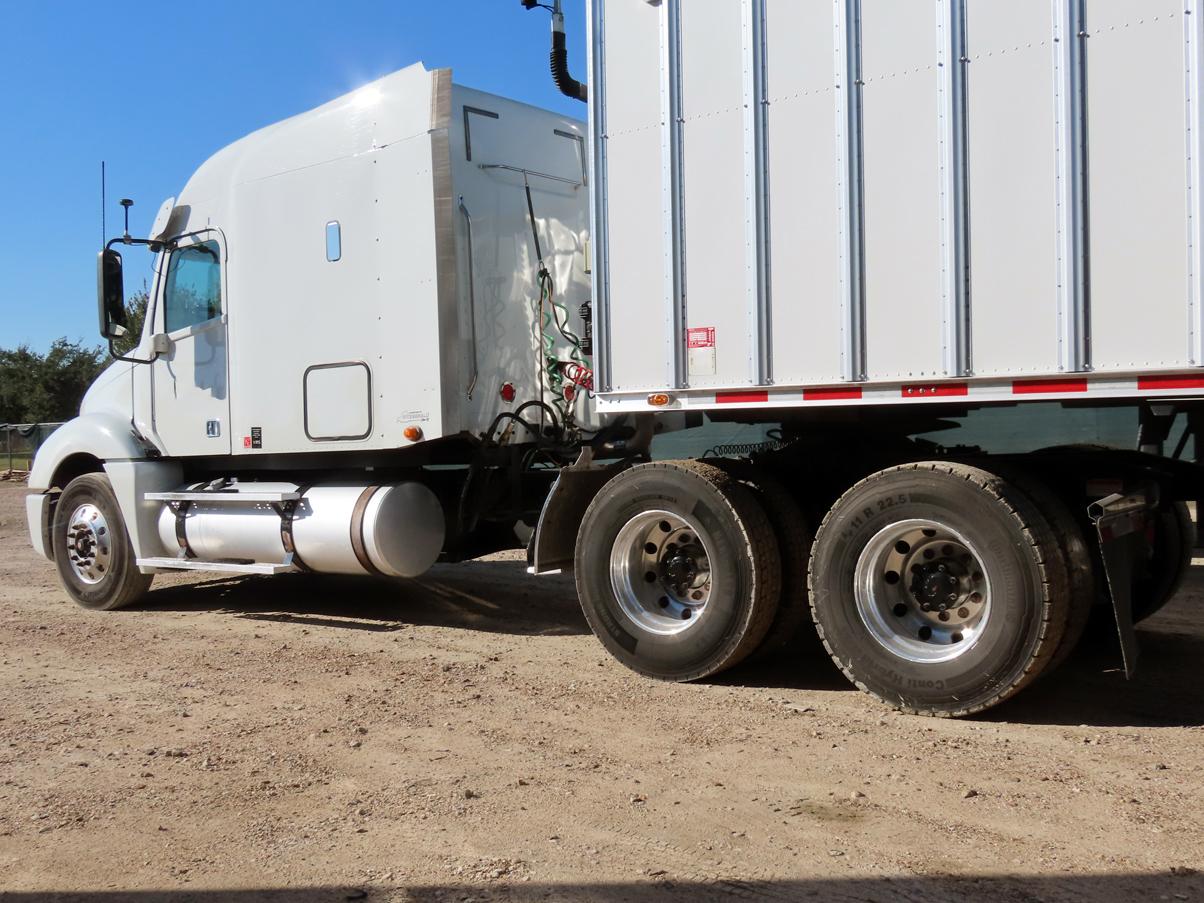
x: 413, y: 433
x: 659, y: 399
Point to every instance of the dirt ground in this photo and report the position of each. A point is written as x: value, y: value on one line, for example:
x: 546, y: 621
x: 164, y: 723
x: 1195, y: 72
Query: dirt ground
x: 463, y: 738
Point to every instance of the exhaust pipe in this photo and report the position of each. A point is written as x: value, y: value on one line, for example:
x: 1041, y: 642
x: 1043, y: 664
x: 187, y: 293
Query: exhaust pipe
x: 559, y: 57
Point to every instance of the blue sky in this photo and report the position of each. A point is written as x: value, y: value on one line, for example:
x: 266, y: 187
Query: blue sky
x: 154, y: 91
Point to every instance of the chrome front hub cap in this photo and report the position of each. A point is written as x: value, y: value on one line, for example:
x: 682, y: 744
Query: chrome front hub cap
x: 89, y: 546
x: 921, y: 591
x: 660, y: 571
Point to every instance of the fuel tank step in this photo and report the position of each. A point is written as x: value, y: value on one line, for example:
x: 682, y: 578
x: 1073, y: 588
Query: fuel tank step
x: 224, y: 567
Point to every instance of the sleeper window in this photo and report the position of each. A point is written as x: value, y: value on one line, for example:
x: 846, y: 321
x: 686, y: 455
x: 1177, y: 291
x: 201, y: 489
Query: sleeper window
x: 194, y: 286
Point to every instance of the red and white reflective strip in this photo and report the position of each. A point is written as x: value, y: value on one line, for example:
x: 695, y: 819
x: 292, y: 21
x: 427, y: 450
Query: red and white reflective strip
x: 1162, y: 385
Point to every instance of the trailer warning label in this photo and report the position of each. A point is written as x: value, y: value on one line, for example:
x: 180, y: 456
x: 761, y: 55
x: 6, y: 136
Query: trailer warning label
x: 700, y: 350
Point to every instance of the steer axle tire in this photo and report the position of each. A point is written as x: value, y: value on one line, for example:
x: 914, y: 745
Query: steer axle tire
x: 92, y: 549
x: 939, y: 588
x: 677, y: 570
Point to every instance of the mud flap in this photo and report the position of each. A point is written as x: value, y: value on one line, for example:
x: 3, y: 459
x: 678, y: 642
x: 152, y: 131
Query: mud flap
x: 1120, y: 522
x: 556, y: 533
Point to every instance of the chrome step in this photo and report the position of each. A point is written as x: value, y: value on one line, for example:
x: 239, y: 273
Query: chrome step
x: 224, y: 567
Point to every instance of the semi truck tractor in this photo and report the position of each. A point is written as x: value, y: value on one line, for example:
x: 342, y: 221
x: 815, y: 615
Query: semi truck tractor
x: 424, y: 323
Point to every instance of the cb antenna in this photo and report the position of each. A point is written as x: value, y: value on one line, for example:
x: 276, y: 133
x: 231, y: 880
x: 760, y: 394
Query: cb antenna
x: 104, y: 232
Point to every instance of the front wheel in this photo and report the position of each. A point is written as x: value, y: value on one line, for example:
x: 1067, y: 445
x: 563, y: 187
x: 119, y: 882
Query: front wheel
x: 939, y: 588
x: 92, y: 549
x: 677, y: 570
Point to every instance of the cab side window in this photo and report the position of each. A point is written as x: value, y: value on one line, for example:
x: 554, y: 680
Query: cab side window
x: 193, y: 292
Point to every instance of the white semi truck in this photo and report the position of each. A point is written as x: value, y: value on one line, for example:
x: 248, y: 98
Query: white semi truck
x: 424, y: 323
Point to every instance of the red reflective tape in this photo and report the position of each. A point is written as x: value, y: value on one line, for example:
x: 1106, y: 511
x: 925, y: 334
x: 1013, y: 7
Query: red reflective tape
x: 1040, y: 386
x: 935, y: 390
x: 1171, y: 382
x: 832, y: 393
x: 740, y: 397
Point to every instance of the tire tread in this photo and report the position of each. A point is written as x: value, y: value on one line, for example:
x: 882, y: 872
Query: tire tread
x: 1036, y: 533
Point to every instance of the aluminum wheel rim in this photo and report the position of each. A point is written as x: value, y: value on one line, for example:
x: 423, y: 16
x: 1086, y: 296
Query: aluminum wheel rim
x: 89, y: 546
x: 922, y: 592
x: 660, y: 572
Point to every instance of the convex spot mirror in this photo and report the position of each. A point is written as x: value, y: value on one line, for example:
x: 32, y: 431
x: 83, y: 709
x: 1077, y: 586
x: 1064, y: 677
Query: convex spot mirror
x: 110, y: 292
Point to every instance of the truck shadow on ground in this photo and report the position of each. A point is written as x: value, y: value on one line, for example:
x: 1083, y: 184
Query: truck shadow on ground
x: 500, y: 597
x: 491, y: 596
x: 1113, y: 888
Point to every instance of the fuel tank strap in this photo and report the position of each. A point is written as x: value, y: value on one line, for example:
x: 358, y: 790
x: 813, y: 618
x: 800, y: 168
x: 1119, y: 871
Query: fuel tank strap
x: 288, y: 511
x: 357, y: 531
x: 181, y: 512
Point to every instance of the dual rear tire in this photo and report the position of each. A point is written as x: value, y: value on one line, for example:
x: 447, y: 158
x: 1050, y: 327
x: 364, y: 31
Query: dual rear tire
x: 940, y: 588
x: 678, y: 570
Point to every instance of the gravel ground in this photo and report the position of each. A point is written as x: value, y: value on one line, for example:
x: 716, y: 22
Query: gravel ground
x: 462, y: 737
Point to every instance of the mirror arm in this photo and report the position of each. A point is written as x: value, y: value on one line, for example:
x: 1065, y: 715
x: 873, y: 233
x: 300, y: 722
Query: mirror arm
x: 154, y: 247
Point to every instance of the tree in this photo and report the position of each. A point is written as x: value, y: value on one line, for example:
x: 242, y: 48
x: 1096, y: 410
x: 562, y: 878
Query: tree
x: 45, y: 388
x: 135, y: 316
x: 36, y: 388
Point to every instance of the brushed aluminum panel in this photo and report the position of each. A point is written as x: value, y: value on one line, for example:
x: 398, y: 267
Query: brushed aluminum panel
x: 1013, y: 185
x: 804, y: 209
x: 903, y: 248
x: 717, y: 270
x: 641, y: 338
x: 1137, y: 186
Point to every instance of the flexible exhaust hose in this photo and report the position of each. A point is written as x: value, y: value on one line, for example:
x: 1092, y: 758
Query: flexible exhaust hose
x: 568, y: 85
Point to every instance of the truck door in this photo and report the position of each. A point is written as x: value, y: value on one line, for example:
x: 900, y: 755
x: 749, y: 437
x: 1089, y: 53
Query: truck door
x: 190, y: 381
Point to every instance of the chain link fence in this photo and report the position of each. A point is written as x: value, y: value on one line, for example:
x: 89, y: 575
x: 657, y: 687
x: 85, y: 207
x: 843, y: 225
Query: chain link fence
x: 19, y: 442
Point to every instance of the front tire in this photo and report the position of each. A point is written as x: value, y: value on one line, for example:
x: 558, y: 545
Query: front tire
x: 92, y: 549
x: 677, y: 570
x: 938, y: 588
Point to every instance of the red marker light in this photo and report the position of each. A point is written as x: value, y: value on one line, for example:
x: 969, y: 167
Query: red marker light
x: 508, y: 392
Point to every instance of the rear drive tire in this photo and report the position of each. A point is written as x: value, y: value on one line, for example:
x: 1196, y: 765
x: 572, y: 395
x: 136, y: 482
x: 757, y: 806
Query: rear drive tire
x: 933, y: 534
x: 92, y: 550
x: 1170, y: 556
x: 1080, y: 566
x: 677, y: 570
x: 794, y: 537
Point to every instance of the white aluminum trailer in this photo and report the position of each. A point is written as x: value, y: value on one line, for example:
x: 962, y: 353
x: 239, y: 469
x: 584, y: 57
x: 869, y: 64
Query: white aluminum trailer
x: 873, y: 202
x: 424, y: 323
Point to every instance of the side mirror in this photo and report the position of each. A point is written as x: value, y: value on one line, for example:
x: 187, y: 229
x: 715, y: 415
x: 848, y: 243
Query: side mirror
x: 110, y: 294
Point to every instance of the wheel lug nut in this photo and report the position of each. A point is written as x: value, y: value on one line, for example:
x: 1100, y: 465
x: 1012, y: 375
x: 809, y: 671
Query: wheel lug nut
x: 926, y: 607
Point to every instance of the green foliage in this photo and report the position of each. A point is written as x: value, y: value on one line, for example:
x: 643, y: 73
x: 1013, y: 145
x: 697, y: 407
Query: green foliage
x: 37, y: 388
x: 135, y: 315
x: 47, y: 388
